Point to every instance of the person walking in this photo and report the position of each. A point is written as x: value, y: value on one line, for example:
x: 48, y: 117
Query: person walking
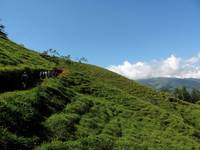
x: 24, y: 79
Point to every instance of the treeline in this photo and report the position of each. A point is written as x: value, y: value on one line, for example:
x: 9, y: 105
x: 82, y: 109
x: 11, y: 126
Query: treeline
x: 54, y: 55
x: 191, y: 96
x: 3, y: 34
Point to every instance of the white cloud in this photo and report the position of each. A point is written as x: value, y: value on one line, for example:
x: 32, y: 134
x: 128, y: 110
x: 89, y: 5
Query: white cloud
x: 170, y: 67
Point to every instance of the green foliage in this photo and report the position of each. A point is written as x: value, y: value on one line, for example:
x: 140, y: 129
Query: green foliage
x: 185, y: 95
x: 101, y: 142
x: 10, y: 141
x: 90, y: 108
x: 14, y: 56
x: 3, y: 34
x: 22, y: 113
x: 195, y: 96
x: 61, y: 126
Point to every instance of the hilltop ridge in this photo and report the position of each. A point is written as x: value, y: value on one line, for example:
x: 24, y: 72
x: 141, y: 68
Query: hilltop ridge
x: 15, y: 56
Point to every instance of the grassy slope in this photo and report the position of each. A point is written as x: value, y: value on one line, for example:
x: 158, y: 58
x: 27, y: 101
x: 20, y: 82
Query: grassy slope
x: 92, y: 108
x: 14, y: 56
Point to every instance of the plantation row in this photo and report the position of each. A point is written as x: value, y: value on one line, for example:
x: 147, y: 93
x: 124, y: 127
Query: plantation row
x: 106, y: 117
x: 79, y: 111
x: 87, y: 107
x: 22, y: 114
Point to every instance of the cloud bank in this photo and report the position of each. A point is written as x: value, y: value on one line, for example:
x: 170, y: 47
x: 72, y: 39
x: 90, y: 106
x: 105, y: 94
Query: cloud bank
x: 170, y: 67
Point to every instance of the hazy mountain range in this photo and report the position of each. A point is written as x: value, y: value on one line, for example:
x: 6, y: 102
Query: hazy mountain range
x: 171, y: 83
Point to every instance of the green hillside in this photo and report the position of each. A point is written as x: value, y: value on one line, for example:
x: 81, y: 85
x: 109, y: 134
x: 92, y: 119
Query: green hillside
x: 171, y: 83
x: 14, y: 56
x: 89, y: 108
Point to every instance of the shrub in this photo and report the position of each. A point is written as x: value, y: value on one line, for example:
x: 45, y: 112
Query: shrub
x: 61, y: 126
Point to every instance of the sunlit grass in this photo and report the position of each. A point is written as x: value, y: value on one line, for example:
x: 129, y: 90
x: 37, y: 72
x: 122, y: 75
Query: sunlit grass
x: 88, y: 107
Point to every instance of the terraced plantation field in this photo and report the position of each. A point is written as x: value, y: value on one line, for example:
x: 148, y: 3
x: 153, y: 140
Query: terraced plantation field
x: 88, y: 107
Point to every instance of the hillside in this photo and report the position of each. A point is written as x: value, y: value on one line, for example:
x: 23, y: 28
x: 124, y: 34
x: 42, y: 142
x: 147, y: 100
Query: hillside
x: 14, y: 56
x: 88, y: 107
x: 171, y: 83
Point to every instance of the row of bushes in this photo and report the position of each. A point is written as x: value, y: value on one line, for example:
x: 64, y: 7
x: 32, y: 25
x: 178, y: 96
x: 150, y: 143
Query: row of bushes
x: 96, y: 142
x: 100, y: 142
x: 22, y: 113
x: 61, y: 126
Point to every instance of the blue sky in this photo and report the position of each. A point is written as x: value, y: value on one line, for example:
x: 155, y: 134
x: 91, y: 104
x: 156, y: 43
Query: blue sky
x: 107, y: 32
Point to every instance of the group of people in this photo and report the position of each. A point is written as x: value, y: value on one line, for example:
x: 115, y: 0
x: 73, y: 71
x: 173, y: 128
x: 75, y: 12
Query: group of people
x: 50, y: 73
x: 45, y: 74
x: 42, y: 75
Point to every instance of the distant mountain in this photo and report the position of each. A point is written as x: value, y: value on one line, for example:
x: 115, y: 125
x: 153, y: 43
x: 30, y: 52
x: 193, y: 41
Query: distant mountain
x: 171, y: 83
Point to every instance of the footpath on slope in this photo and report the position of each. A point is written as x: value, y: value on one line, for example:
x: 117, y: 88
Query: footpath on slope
x: 25, y: 79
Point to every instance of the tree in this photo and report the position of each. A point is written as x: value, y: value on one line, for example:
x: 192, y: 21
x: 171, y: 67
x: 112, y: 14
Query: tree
x: 2, y: 27
x: 165, y: 89
x: 68, y: 57
x: 50, y: 52
x: 178, y: 93
x: 195, y: 96
x: 83, y: 59
x: 53, y: 52
x: 183, y: 94
x: 186, y: 94
x: 2, y: 31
